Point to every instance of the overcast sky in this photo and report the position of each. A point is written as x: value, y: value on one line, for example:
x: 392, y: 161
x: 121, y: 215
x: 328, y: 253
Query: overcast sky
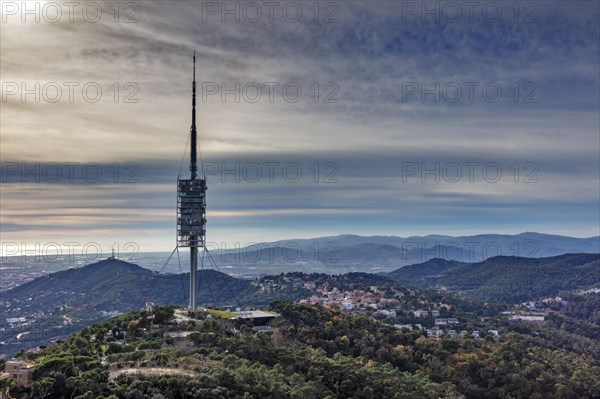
x: 392, y: 118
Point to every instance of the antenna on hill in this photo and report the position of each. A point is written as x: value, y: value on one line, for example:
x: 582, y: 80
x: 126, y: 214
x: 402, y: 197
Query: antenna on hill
x: 191, y: 204
x: 191, y: 214
x: 149, y: 308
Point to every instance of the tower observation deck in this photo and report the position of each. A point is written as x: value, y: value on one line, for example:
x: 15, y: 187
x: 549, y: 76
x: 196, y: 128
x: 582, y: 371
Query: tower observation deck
x: 191, y: 205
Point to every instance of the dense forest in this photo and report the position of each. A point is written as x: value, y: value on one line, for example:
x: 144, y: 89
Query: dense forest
x: 315, y: 352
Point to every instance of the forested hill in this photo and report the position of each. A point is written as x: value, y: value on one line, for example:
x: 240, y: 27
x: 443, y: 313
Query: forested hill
x: 89, y: 277
x: 428, y: 269
x: 308, y: 352
x: 115, y: 284
x: 506, y: 278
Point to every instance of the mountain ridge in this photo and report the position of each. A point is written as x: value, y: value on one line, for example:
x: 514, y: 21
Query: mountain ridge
x: 506, y: 278
x: 68, y: 300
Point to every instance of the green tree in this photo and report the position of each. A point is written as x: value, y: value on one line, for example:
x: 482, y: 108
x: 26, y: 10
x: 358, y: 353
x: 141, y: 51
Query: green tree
x: 43, y: 388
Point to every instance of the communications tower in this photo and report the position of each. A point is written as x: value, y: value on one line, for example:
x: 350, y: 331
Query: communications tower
x: 191, y: 205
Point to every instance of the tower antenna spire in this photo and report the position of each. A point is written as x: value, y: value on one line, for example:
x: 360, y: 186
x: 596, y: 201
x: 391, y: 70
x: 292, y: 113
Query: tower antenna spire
x: 193, y: 161
x: 191, y: 206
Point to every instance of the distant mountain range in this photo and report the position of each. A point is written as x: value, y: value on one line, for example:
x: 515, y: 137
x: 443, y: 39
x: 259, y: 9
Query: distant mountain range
x: 334, y: 254
x: 344, y: 253
x: 505, y: 278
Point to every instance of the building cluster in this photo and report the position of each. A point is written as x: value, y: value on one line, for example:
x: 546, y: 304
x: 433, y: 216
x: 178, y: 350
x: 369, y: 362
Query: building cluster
x: 534, y: 311
x: 286, y: 282
x: 443, y: 326
x: 20, y: 371
x: 359, y: 300
x: 390, y: 304
x: 542, y: 304
x: 110, y: 313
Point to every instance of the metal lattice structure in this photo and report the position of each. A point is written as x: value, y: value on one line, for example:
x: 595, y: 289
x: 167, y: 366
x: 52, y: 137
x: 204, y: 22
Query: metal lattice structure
x: 191, y: 212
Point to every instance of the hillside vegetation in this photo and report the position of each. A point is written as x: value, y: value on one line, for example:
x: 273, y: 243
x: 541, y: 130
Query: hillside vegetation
x: 507, y: 279
x: 309, y: 352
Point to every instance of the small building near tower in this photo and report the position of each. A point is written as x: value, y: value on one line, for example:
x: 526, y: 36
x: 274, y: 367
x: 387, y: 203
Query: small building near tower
x: 258, y: 317
x: 20, y: 371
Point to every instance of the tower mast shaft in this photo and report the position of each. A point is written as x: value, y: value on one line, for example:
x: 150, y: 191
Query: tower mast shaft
x: 193, y: 176
x: 193, y: 157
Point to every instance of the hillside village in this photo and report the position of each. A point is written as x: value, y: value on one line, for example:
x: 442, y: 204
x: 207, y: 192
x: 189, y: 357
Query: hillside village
x: 403, y: 308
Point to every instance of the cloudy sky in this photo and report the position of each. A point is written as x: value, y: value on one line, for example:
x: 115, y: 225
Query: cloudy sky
x: 401, y: 118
